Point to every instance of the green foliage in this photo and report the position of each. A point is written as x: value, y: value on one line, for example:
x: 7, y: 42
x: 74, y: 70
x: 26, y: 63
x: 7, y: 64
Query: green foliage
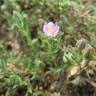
x: 26, y: 18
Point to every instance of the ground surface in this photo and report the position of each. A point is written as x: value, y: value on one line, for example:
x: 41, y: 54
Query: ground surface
x: 25, y: 70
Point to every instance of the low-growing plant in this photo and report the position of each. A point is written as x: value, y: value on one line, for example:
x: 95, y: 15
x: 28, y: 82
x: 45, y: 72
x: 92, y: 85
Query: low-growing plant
x: 57, y: 36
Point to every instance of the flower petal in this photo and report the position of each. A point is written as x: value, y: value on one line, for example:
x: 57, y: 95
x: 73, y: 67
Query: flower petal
x: 51, y: 29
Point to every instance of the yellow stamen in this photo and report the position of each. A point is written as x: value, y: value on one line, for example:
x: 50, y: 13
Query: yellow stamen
x: 50, y: 29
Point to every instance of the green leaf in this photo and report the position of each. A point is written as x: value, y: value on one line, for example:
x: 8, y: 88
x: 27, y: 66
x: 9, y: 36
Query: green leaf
x: 76, y: 81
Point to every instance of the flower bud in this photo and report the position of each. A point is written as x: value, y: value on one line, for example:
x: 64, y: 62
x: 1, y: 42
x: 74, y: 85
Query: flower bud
x: 81, y: 44
x: 89, y: 53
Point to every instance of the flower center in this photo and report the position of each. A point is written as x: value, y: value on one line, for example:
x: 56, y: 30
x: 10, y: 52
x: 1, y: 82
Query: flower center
x: 50, y: 30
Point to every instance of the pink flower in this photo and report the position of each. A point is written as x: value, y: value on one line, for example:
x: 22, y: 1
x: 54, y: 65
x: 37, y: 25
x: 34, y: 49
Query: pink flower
x: 51, y: 29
